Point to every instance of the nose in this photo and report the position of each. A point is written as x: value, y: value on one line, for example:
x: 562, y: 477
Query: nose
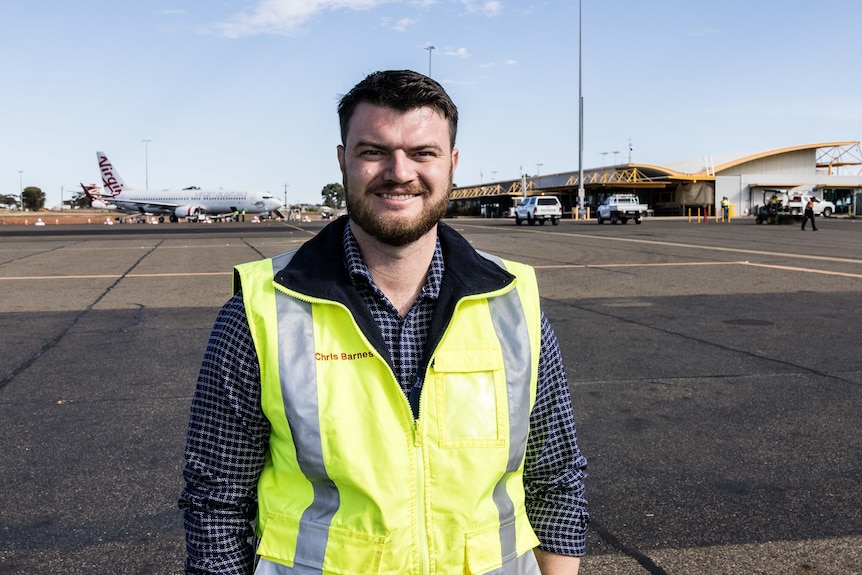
x: 399, y: 168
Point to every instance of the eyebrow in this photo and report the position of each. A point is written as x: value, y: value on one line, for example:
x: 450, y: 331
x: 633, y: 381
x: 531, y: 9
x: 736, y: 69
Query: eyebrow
x: 379, y: 146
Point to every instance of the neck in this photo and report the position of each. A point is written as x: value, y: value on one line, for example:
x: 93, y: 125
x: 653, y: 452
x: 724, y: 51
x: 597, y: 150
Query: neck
x: 399, y: 271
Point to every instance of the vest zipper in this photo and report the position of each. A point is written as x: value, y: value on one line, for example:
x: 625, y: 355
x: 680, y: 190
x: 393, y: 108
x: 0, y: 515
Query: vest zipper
x: 424, y: 558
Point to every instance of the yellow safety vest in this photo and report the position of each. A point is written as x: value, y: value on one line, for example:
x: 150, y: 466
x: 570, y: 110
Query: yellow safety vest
x: 353, y: 484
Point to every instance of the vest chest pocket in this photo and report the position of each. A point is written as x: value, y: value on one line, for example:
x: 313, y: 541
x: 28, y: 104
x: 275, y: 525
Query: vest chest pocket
x: 471, y: 398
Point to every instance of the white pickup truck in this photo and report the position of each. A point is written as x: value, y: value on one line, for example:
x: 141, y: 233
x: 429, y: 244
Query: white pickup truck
x: 539, y: 209
x: 796, y: 206
x: 621, y: 208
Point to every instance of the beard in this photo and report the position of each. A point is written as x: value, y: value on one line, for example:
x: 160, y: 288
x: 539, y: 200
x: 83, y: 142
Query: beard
x: 394, y: 231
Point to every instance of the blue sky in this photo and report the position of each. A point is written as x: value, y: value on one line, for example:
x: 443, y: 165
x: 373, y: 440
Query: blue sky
x: 242, y: 93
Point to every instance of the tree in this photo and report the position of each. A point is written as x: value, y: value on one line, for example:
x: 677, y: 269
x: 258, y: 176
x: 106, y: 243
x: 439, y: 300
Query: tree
x: 333, y: 196
x: 80, y: 200
x: 33, y: 198
x: 8, y: 201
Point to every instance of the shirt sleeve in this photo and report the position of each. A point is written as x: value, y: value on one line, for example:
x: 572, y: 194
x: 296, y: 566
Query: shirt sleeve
x: 225, y: 450
x: 554, y: 468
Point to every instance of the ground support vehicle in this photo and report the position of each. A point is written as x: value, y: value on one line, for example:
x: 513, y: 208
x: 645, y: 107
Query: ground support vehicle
x: 776, y: 214
x: 539, y: 209
x: 621, y: 208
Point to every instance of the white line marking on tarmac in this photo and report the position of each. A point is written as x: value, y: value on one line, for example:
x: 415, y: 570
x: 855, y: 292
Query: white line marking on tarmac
x: 768, y: 266
x: 666, y: 264
x: 689, y: 246
x: 807, y: 270
x: 114, y: 276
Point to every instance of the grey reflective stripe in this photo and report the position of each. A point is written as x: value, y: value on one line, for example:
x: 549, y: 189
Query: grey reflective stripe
x: 510, y: 323
x: 298, y: 377
x: 265, y: 567
x: 524, y: 564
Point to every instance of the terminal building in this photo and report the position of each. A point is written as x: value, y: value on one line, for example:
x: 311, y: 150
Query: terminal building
x: 830, y: 171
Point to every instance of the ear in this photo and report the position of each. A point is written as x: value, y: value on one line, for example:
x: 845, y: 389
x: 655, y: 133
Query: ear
x: 340, y: 151
x: 455, y: 156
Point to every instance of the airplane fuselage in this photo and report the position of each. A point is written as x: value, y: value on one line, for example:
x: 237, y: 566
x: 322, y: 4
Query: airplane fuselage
x: 189, y: 202
x: 208, y: 201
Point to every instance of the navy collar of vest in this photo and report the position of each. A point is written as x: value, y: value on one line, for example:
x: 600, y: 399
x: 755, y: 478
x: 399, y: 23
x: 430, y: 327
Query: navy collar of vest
x: 317, y: 268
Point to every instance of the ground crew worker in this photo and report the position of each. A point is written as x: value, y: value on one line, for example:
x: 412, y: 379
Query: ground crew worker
x: 725, y: 209
x: 809, y: 215
x: 385, y: 398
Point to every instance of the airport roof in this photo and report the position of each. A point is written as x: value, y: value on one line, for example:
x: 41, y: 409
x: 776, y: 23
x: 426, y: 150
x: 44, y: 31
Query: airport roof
x: 827, y: 155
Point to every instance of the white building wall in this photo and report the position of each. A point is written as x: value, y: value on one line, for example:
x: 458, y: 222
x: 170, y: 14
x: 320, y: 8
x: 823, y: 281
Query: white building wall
x: 799, y: 163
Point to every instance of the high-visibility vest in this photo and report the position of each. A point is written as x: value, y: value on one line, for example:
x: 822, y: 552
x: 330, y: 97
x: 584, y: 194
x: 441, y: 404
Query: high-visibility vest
x: 353, y: 484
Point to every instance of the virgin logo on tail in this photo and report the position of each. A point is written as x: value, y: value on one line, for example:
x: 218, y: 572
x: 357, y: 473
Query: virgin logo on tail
x: 113, y: 183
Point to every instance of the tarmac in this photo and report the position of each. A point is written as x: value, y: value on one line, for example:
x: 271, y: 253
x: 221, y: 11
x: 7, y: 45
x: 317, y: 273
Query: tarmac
x: 715, y: 372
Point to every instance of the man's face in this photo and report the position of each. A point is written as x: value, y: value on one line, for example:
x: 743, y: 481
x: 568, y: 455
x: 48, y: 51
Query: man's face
x: 397, y: 169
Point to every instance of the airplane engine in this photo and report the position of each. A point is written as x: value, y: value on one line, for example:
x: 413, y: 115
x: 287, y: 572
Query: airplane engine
x: 101, y: 205
x: 190, y: 212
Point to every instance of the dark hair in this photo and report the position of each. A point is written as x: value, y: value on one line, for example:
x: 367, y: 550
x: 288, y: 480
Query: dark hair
x: 402, y: 90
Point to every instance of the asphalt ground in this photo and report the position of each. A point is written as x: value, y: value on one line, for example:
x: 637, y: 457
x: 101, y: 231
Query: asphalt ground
x: 715, y: 370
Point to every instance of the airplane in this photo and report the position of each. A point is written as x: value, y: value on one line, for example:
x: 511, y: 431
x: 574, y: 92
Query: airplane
x: 192, y: 203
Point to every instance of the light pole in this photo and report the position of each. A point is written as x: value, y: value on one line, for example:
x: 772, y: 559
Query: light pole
x: 21, y: 187
x: 146, y: 164
x: 429, y: 48
x: 537, y: 168
x: 580, y: 109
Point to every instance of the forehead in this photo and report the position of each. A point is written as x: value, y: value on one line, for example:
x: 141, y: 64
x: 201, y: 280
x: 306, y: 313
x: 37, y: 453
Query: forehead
x: 373, y: 121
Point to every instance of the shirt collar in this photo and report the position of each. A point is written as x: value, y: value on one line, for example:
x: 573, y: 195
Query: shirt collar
x: 359, y: 272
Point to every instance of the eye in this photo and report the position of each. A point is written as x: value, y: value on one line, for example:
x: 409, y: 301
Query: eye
x: 370, y: 152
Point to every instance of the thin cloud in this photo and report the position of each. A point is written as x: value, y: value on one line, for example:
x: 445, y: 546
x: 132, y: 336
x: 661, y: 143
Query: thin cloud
x: 509, y: 62
x: 487, y: 8
x: 285, y: 17
x: 403, y: 24
x: 459, y: 52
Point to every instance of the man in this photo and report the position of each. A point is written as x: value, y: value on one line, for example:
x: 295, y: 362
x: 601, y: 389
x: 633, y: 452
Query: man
x: 385, y: 399
x: 809, y: 215
x: 725, y: 209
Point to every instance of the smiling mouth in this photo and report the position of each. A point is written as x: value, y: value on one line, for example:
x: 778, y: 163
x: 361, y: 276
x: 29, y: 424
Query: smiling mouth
x: 399, y: 197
